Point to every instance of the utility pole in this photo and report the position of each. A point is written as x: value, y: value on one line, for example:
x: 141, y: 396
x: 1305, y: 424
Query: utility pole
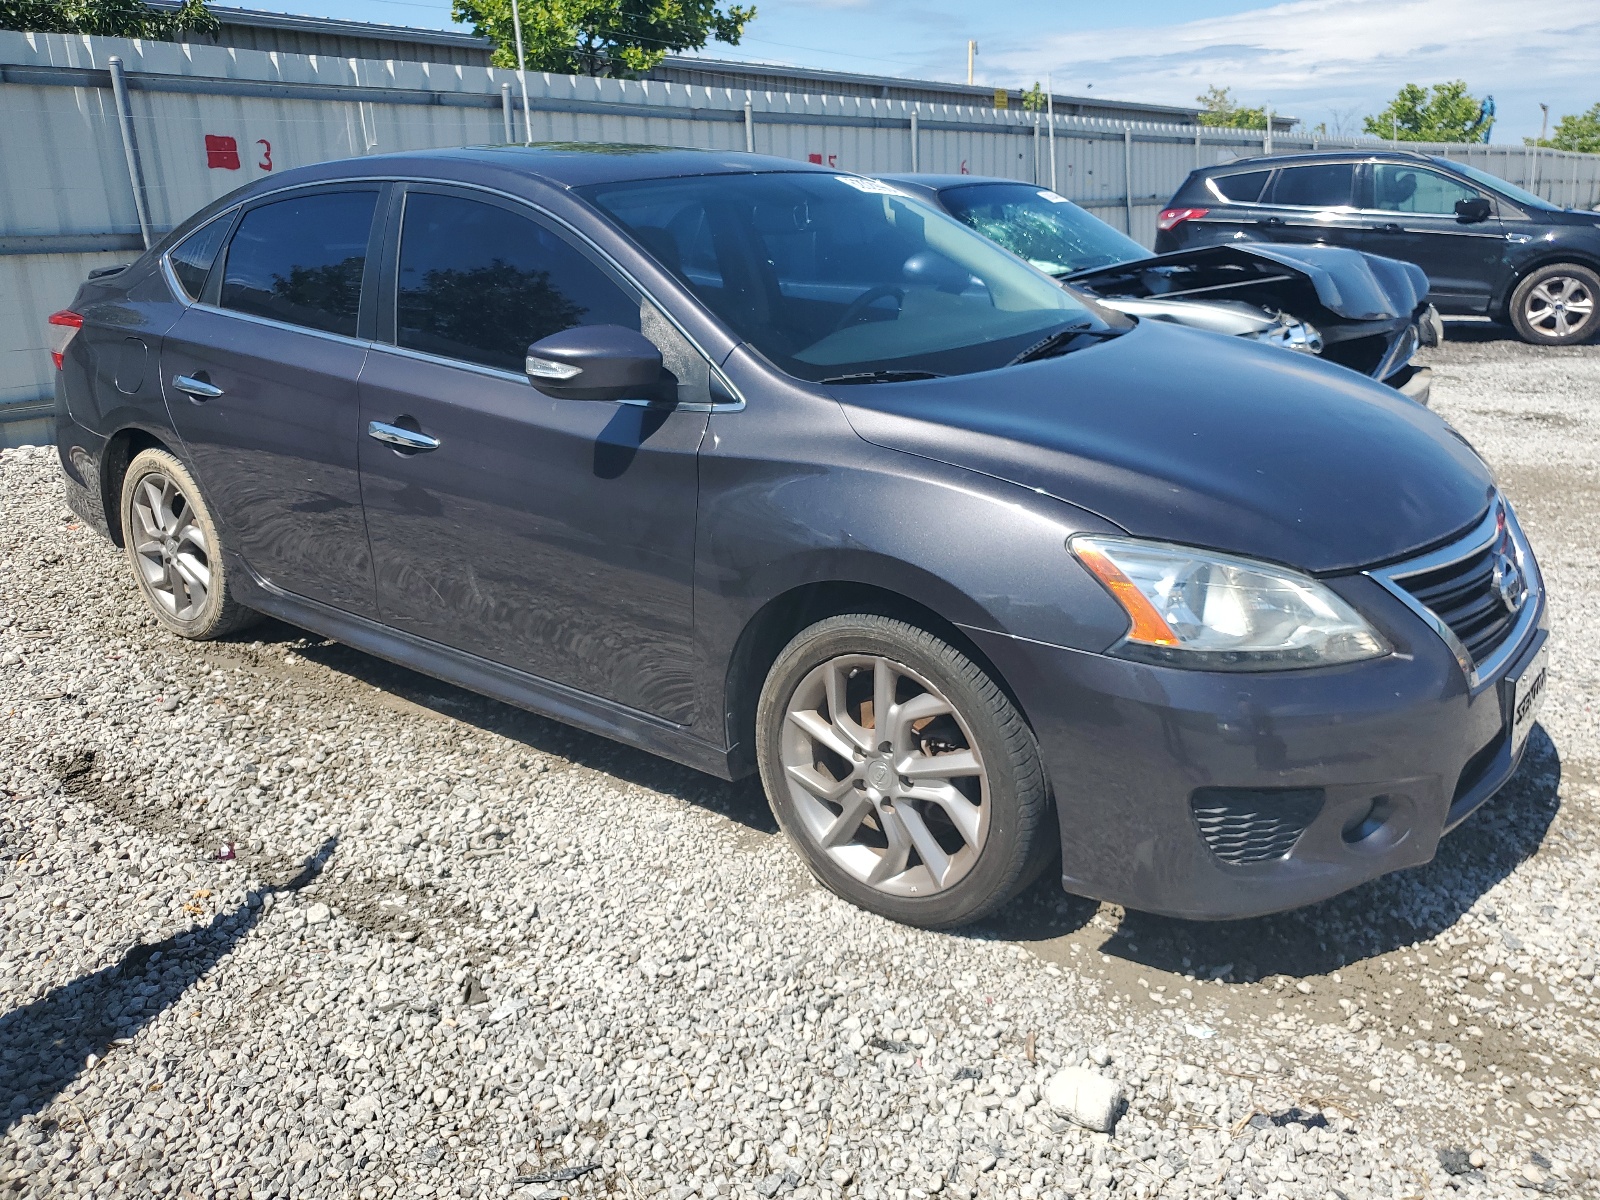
x: 1544, y: 125
x: 1050, y: 110
x: 972, y: 52
x: 522, y: 73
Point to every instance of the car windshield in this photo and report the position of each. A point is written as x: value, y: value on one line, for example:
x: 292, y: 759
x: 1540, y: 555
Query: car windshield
x: 1048, y: 230
x: 1495, y: 183
x: 835, y: 275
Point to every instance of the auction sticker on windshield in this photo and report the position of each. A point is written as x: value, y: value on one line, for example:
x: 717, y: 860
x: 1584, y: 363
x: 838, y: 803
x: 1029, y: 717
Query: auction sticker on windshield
x: 1527, y: 693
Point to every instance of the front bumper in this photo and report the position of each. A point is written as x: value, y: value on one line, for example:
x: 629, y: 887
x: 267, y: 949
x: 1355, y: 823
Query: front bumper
x: 1395, y: 752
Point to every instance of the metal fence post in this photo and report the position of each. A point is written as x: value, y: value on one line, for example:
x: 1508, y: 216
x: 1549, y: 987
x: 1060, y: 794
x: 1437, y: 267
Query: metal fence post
x: 749, y: 129
x: 130, y: 148
x: 1127, y: 174
x: 1199, y: 147
x: 915, y: 136
x: 505, y: 112
x: 1036, y: 179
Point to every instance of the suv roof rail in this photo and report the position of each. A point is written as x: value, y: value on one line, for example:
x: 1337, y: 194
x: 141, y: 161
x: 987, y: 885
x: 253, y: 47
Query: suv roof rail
x: 1347, y: 152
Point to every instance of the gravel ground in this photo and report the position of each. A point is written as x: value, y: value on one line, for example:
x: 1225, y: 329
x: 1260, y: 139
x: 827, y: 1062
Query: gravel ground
x: 277, y: 919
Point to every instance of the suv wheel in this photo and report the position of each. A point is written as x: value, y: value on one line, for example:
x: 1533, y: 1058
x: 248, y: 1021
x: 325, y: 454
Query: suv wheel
x: 1558, y: 305
x: 902, y: 773
x: 172, y: 545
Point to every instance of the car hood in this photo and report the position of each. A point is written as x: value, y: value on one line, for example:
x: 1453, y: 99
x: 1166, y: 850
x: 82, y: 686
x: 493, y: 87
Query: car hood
x: 1349, y: 284
x: 1180, y: 435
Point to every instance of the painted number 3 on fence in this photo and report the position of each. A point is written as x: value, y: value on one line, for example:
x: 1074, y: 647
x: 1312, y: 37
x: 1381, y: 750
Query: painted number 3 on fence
x: 222, y: 153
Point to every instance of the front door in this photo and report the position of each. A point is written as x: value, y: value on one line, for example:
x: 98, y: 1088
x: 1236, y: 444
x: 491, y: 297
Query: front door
x: 260, y: 383
x: 553, y: 536
x: 1409, y: 213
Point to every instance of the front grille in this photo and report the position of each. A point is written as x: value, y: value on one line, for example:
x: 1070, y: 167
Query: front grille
x: 1466, y: 597
x: 1251, y: 825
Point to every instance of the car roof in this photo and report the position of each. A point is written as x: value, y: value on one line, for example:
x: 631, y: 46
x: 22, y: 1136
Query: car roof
x: 939, y: 183
x: 1261, y: 161
x: 563, y: 164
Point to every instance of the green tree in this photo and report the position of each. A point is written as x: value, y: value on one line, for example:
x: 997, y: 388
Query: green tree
x: 1449, y: 113
x: 601, y: 37
x: 1575, y: 131
x: 108, y: 18
x: 1034, y: 99
x: 1218, y: 107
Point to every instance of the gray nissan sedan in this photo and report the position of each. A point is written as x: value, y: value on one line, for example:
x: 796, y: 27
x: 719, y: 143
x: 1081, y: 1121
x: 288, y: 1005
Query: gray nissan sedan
x: 769, y: 469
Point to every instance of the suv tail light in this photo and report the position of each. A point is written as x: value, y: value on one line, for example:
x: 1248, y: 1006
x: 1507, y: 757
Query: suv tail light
x: 64, y: 326
x: 1171, y: 218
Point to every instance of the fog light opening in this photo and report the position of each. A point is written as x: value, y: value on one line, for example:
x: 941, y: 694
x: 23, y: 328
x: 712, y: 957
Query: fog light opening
x: 1371, y: 826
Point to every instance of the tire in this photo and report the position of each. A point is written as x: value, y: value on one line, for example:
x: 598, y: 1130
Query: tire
x: 174, y: 552
x: 1557, y: 305
x: 900, y: 833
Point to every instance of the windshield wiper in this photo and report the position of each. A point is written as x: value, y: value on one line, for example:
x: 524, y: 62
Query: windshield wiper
x: 904, y: 376
x: 1060, y: 342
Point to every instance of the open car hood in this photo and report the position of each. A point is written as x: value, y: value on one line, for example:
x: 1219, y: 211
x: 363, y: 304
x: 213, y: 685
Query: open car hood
x: 1349, y: 284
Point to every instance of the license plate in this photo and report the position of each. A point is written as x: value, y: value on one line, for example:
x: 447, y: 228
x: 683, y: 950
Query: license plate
x: 1527, y: 694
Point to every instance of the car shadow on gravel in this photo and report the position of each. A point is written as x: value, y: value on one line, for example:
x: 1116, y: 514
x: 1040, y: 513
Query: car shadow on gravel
x: 47, y: 1043
x: 1380, y: 916
x: 742, y: 802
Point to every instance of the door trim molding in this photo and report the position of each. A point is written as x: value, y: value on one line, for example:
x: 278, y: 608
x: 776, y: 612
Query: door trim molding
x: 495, y: 680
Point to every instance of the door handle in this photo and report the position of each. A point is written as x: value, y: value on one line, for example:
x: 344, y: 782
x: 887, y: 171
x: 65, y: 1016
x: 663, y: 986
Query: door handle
x: 1390, y: 227
x: 1270, y: 221
x: 198, y: 390
x: 401, y: 438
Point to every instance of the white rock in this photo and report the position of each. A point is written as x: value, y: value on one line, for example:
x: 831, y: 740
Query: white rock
x: 317, y: 914
x: 1086, y: 1098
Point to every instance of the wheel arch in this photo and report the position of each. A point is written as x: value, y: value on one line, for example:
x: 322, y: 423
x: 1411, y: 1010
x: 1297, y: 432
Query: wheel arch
x: 1501, y: 307
x: 121, y: 449
x: 775, y: 624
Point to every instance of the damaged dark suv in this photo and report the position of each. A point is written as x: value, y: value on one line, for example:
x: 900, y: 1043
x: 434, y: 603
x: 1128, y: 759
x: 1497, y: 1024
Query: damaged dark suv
x: 772, y: 470
x: 1362, y: 311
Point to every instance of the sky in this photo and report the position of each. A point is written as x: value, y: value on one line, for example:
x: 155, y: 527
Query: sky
x: 1324, y: 61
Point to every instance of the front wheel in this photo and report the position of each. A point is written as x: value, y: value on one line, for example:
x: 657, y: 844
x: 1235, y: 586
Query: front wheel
x: 1557, y: 305
x: 902, y: 773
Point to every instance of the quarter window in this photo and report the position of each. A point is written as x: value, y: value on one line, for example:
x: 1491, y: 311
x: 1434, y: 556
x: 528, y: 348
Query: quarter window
x: 300, y: 260
x: 191, y: 258
x: 481, y: 283
x: 1318, y: 185
x: 1244, y: 188
x: 1400, y: 188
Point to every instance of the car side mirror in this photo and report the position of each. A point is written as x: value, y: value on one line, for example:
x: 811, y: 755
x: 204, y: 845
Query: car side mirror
x: 1470, y: 212
x: 596, y: 362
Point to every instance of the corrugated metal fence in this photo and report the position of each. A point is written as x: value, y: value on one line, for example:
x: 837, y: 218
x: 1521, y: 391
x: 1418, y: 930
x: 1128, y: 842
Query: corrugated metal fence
x: 81, y: 118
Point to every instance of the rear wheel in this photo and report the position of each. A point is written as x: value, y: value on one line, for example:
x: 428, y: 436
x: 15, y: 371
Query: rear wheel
x: 1557, y: 305
x: 904, y: 775
x: 172, y: 545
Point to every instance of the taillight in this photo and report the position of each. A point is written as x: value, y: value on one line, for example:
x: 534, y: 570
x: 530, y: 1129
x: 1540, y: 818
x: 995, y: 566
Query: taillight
x: 64, y: 325
x: 1171, y: 218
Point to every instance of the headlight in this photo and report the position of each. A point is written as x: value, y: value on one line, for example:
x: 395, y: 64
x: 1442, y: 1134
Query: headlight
x: 1290, y: 334
x: 1196, y: 608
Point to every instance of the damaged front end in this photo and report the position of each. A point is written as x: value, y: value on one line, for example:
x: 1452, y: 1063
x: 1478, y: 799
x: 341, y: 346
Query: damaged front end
x: 1360, y: 310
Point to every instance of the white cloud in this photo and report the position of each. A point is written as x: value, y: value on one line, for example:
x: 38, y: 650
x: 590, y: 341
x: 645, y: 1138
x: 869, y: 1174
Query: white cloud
x: 1325, y: 53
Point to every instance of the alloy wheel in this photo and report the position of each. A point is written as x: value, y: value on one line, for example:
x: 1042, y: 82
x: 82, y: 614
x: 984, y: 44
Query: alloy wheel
x: 171, y: 552
x: 885, y: 776
x: 1559, y: 306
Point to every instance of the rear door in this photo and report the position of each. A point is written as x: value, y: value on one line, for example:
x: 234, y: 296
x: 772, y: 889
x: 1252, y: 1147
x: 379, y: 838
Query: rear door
x: 554, y: 536
x: 260, y: 382
x: 1409, y: 213
x: 1307, y: 204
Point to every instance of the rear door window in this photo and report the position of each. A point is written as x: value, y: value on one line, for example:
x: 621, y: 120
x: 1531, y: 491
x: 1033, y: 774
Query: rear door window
x: 301, y: 260
x: 1316, y: 185
x: 1244, y: 188
x: 191, y: 258
x: 480, y: 283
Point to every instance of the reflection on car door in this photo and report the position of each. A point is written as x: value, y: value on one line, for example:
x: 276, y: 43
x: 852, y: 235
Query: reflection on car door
x: 260, y: 383
x: 1409, y: 213
x: 552, y: 536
